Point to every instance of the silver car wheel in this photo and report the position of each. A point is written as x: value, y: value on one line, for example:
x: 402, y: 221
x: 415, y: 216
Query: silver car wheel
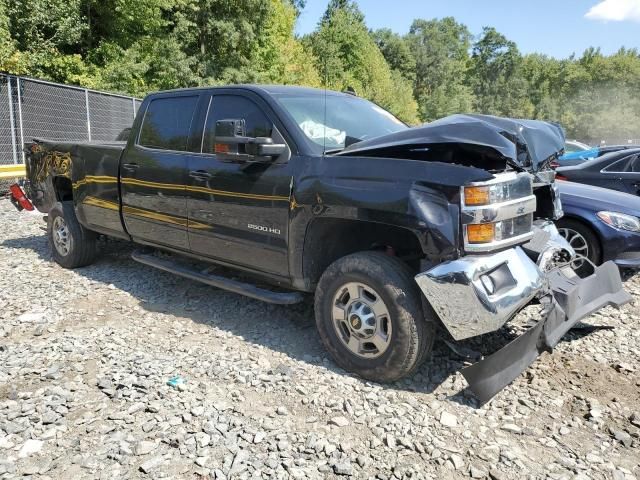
x: 361, y: 320
x: 579, y: 244
x: 62, y: 240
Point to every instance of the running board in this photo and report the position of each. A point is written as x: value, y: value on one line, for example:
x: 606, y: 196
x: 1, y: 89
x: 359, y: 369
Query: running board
x: 246, y: 289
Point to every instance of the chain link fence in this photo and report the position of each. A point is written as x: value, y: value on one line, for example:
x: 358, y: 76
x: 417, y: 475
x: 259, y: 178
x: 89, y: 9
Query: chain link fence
x: 32, y: 108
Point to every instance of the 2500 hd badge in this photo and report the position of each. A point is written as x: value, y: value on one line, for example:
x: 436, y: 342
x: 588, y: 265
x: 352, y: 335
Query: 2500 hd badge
x: 262, y: 228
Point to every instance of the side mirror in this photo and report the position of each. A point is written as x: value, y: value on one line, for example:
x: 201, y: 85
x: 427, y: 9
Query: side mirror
x: 231, y: 143
x: 264, y: 147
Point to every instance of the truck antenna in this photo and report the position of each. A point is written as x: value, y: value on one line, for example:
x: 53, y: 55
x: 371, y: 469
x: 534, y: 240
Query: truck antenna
x: 324, y: 121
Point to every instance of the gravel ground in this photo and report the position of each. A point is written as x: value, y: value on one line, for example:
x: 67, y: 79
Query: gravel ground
x: 86, y: 358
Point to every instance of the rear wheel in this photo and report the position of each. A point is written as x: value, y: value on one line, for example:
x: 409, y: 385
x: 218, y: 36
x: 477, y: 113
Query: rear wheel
x: 584, y: 242
x: 369, y: 317
x: 72, y: 245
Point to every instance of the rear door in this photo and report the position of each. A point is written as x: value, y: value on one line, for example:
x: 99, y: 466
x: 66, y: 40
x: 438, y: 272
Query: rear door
x: 623, y: 175
x: 153, y: 172
x: 239, y: 211
x: 631, y: 176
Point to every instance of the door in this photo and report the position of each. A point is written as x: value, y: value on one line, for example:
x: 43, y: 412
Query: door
x: 153, y: 172
x: 238, y: 210
x: 631, y: 175
x: 623, y: 175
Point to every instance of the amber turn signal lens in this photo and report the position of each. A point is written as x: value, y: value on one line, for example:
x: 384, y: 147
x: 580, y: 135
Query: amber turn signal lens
x: 476, y: 195
x: 221, y: 148
x: 481, y: 233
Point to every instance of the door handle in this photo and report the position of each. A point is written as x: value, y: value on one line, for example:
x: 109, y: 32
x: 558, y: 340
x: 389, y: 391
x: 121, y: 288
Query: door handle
x: 130, y: 166
x: 200, y: 174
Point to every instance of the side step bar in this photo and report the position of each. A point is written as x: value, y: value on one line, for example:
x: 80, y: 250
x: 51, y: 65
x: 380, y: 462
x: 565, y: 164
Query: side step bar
x: 247, y: 289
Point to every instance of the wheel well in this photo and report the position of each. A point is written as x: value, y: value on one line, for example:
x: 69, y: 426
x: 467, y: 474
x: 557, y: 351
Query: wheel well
x: 329, y: 239
x: 63, y: 188
x: 586, y: 225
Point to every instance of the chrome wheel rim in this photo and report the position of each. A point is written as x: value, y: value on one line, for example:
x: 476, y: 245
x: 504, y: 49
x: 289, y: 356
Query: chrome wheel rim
x: 61, y: 237
x: 579, y: 244
x: 361, y: 320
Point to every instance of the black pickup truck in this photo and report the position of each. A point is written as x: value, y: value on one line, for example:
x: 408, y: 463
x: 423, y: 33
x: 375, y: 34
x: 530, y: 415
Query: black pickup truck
x: 397, y: 231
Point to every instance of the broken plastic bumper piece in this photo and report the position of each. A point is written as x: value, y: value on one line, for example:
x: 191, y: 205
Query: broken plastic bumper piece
x: 571, y: 299
x: 478, y: 294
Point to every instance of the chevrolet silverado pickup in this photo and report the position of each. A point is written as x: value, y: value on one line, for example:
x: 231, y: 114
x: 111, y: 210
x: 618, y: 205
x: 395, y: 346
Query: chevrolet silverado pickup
x: 396, y: 231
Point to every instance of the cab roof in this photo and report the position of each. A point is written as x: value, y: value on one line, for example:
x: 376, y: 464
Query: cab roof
x: 268, y: 89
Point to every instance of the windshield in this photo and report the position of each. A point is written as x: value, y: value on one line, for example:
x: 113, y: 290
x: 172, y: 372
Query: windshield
x: 348, y: 119
x: 575, y: 146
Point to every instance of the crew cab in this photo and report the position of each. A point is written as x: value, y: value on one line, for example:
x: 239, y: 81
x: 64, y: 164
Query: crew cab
x: 396, y: 231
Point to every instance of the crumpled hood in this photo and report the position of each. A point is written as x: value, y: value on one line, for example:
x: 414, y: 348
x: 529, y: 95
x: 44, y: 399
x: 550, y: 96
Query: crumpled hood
x: 529, y: 143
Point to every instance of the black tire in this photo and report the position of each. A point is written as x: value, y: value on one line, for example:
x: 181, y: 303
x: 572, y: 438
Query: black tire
x: 594, y: 249
x: 82, y: 247
x: 411, y: 337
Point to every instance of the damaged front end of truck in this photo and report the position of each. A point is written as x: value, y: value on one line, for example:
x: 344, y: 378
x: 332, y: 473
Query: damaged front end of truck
x: 508, y: 251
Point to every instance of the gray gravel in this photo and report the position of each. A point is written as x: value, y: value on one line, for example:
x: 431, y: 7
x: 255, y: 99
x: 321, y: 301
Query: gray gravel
x: 121, y: 371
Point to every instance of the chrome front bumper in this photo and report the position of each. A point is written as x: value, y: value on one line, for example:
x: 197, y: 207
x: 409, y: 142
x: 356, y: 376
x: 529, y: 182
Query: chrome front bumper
x: 478, y: 294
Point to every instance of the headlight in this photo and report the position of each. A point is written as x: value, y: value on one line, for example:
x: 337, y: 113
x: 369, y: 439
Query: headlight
x: 497, y: 213
x: 498, y: 191
x: 483, y: 233
x: 620, y: 221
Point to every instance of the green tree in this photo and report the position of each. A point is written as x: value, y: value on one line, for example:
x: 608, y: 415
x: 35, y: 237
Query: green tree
x: 124, y: 22
x: 281, y: 57
x: 208, y: 42
x: 604, y: 99
x: 148, y: 65
x: 45, y: 24
x: 7, y: 47
x: 43, y: 38
x: 350, y: 7
x: 496, y: 76
x: 224, y: 36
x: 349, y: 58
x: 440, y: 49
x: 137, y: 46
x: 396, y: 52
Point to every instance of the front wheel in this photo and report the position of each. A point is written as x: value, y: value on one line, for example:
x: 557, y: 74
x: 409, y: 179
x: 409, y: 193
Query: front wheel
x: 72, y: 245
x: 370, y: 319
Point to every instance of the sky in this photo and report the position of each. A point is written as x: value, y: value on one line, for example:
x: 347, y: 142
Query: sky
x: 554, y: 27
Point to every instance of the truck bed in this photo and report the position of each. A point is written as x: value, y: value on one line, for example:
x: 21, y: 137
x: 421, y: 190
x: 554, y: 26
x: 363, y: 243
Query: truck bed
x: 91, y: 170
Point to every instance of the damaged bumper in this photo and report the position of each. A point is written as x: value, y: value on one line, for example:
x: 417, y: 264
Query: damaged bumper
x: 478, y: 294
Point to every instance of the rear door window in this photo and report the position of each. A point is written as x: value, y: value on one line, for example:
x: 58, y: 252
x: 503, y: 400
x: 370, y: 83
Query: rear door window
x: 627, y: 164
x: 167, y: 123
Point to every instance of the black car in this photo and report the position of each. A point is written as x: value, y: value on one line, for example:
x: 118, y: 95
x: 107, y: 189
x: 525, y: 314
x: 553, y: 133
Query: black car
x: 617, y: 171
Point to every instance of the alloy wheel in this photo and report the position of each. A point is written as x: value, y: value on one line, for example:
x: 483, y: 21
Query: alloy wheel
x: 579, y: 244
